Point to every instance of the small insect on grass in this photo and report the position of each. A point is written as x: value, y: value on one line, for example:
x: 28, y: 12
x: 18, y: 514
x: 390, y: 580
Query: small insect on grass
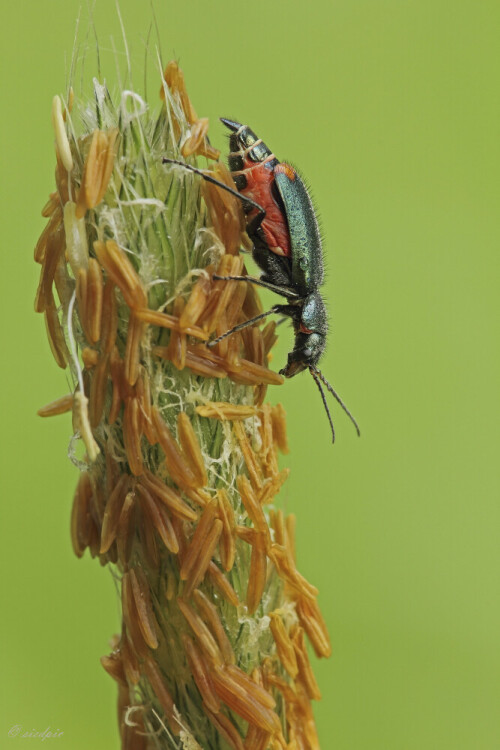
x: 282, y: 225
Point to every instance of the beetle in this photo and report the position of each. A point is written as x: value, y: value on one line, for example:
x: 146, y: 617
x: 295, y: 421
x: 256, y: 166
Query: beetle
x: 282, y: 225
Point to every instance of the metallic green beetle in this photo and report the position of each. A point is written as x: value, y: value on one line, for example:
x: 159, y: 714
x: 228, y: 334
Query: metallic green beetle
x: 282, y: 225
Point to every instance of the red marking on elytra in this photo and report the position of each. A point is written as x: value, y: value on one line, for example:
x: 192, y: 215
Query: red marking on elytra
x: 303, y: 329
x: 275, y: 227
x: 284, y: 168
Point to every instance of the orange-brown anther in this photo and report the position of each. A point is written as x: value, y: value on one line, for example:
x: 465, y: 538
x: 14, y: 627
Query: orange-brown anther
x: 253, y: 508
x: 284, y: 645
x: 220, y: 582
x: 249, y: 456
x: 169, y: 497
x: 279, y: 428
x: 90, y: 357
x: 225, y: 209
x: 220, y: 328
x: 177, y: 466
x: 80, y: 515
x: 159, y: 518
x: 202, y: 633
x: 174, y: 78
x: 225, y: 728
x: 306, y: 675
x: 55, y: 335
x: 178, y: 343
x: 142, y: 598
x: 201, y: 674
x: 126, y: 531
x: 225, y: 411
x: 231, y: 265
x: 227, y: 545
x: 233, y: 311
x: 51, y: 205
x: 97, y: 170
x: 267, y: 451
x: 191, y: 448
x: 257, y: 739
x: 122, y: 273
x: 269, y: 336
x: 285, y: 566
x: 116, y: 372
x: 250, y: 373
x: 53, y: 250
x: 197, y: 301
x: 130, y: 661
x: 202, y: 530
x: 196, y: 142
x: 59, y: 406
x: 109, y: 317
x: 113, y: 664
x: 239, y: 700
x: 112, y: 512
x: 272, y: 486
x: 255, y: 689
x: 278, y: 526
x: 211, y: 616
x: 132, y: 436
x: 203, y: 559
x: 290, y: 522
x: 157, y: 682
x: 54, y: 227
x: 313, y: 623
x: 131, y: 618
x: 202, y: 362
x: 149, y: 542
x: 163, y: 320
x: 143, y: 392
x: 258, y: 573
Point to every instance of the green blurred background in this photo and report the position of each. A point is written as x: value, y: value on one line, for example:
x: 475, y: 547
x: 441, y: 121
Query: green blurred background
x: 391, y: 109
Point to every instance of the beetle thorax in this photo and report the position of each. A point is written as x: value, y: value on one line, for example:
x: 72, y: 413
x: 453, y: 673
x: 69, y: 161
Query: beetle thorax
x: 311, y: 328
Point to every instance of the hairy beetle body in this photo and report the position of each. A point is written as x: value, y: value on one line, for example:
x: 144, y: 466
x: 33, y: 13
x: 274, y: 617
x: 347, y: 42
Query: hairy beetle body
x: 279, y: 191
x: 282, y: 225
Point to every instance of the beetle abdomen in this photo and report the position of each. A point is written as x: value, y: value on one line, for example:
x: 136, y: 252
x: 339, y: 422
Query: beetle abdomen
x: 252, y: 166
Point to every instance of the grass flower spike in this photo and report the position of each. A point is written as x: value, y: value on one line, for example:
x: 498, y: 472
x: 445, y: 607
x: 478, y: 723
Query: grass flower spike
x: 179, y: 463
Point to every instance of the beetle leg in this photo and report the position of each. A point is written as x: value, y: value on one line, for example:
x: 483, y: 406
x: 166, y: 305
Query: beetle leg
x: 275, y: 309
x: 255, y: 222
x: 284, y: 291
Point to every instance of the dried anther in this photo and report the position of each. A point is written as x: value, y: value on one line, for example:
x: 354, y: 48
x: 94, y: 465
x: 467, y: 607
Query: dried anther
x: 59, y: 406
x: 97, y: 170
x: 225, y: 411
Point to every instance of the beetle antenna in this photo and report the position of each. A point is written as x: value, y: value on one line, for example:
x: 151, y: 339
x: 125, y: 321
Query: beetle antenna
x: 220, y: 184
x: 337, y: 397
x: 314, y: 373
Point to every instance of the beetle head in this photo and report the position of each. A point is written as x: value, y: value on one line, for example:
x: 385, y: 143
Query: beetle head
x: 305, y: 354
x: 311, y: 327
